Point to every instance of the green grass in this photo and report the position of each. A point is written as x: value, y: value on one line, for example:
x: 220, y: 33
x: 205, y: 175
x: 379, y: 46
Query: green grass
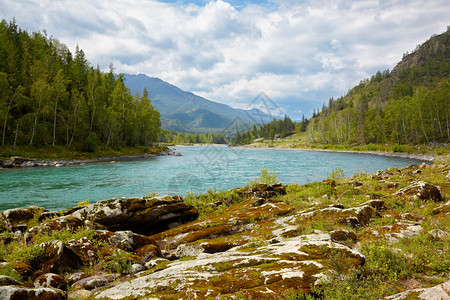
x: 64, y: 153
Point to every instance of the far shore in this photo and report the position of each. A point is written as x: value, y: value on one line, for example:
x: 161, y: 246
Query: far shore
x: 422, y: 157
x: 29, y: 163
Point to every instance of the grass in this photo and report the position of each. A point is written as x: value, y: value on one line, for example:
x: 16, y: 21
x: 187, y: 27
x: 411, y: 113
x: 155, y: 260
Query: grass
x: 64, y: 153
x: 300, y: 140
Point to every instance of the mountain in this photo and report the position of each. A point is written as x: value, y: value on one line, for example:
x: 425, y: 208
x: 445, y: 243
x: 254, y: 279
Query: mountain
x: 186, y: 112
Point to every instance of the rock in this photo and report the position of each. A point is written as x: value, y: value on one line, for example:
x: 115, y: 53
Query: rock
x: 421, y: 190
x: 135, y: 268
x: 355, y: 216
x: 140, y: 215
x: 437, y: 292
x: 16, y: 292
x: 448, y: 175
x: 62, y: 223
x: 263, y: 272
x: 442, y: 209
x: 439, y: 234
x: 17, y: 162
x: 17, y: 218
x: 148, y: 252
x: 50, y: 280
x: 125, y: 240
x: 74, y: 277
x: 49, y: 215
x: 341, y: 235
x: 23, y: 269
x: 80, y: 295
x: 6, y: 280
x: 58, y: 258
x: 93, y: 282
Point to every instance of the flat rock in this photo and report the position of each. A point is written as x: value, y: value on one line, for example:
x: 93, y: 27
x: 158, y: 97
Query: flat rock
x: 6, y: 280
x: 93, y: 282
x: 140, y: 215
x: 50, y: 280
x: 440, y: 292
x: 16, y: 292
x: 259, y: 272
x: 421, y: 190
x: 17, y: 218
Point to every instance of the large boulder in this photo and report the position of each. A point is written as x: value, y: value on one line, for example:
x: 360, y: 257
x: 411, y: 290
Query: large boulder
x: 6, y: 280
x: 17, y: 292
x: 57, y: 257
x: 140, y: 215
x: 17, y: 162
x: 421, y: 190
x: 125, y: 240
x: 355, y: 216
x: 17, y: 218
x: 256, y: 272
x: 50, y: 280
x: 436, y: 292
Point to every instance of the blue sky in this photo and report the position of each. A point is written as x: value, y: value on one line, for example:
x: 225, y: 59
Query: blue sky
x: 299, y: 53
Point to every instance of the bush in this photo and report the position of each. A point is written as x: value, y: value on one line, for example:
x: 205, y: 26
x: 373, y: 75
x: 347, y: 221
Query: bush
x: 264, y: 178
x: 337, y: 174
x: 90, y: 143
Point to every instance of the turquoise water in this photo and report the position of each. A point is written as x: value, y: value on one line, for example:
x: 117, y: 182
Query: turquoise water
x: 198, y: 169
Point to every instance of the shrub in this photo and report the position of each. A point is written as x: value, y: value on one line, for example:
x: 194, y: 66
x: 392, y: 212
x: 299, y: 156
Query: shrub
x: 264, y: 178
x: 337, y: 174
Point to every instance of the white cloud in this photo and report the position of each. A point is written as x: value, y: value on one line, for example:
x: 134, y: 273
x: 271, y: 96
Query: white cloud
x: 298, y: 52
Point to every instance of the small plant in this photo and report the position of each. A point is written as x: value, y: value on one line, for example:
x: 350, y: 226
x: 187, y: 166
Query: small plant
x: 84, y: 202
x: 120, y: 261
x: 264, y: 178
x: 337, y: 174
x: 152, y: 195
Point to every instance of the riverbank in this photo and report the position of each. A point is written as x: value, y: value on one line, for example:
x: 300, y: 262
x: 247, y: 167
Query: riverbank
x: 432, y: 152
x: 422, y: 157
x: 22, y: 162
x: 331, y: 239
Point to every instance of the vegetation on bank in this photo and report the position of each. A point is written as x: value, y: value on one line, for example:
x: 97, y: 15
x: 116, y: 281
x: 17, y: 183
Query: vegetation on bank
x: 53, y: 153
x: 51, y: 97
x: 405, y: 110
x: 419, y: 260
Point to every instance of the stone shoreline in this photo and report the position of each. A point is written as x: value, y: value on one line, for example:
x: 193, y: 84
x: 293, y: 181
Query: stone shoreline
x: 423, y: 157
x: 20, y: 162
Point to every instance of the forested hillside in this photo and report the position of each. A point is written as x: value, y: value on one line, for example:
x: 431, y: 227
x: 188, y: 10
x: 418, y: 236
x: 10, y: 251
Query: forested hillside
x: 272, y: 130
x: 406, y: 106
x: 48, y: 96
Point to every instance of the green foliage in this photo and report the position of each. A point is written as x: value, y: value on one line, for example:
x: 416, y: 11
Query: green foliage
x: 337, y: 174
x: 9, y: 271
x: 298, y: 295
x: 407, y: 106
x: 265, y: 178
x: 179, y: 138
x: 270, y: 131
x: 48, y: 96
x: 120, y: 261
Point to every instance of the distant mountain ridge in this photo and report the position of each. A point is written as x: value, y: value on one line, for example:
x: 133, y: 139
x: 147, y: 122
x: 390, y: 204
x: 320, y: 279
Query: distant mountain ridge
x: 186, y: 112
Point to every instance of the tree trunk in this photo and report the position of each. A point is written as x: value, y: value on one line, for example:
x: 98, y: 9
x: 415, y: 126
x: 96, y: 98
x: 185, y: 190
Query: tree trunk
x: 33, y: 134
x: 15, y: 137
x: 6, y: 118
x: 54, y: 121
x: 74, y: 125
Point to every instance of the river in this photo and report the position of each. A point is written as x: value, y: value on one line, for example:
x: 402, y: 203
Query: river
x: 198, y: 169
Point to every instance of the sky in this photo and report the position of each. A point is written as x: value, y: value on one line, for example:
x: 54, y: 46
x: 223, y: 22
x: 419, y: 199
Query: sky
x: 298, y: 53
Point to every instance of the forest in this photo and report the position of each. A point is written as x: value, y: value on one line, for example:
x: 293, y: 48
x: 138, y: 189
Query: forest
x: 408, y: 105
x: 278, y: 128
x: 49, y: 96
